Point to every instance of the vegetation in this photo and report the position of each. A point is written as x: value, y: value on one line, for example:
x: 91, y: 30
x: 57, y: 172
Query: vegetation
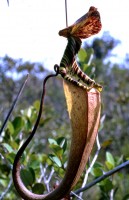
x: 45, y: 159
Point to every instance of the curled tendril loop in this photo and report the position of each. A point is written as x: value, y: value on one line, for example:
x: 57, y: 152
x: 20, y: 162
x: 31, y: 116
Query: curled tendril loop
x: 56, y: 69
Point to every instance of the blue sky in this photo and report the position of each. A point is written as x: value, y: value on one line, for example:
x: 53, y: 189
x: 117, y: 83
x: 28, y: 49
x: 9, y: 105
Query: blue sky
x: 29, y: 28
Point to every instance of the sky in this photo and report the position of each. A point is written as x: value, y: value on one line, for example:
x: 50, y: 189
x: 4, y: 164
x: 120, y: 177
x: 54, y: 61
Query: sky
x: 29, y: 28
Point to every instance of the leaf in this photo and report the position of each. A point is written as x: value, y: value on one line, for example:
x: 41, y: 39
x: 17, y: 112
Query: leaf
x: 18, y: 124
x: 106, y: 143
x: 52, y: 141
x: 10, y: 157
x: 62, y: 142
x: 90, y: 53
x: 5, y: 169
x: 44, y: 121
x: 55, y: 159
x: 38, y: 188
x: 110, y: 160
x: 8, y: 147
x: 85, y: 67
x: 109, y: 165
x: 97, y: 172
x: 120, y: 160
x: 34, y: 162
x: 98, y: 164
x: 57, y: 150
x: 27, y: 176
x: 106, y: 185
x: 126, y: 197
x: 90, y: 71
x: 14, y: 144
x: 10, y: 127
x: 37, y: 105
x: 82, y: 55
x: 28, y: 125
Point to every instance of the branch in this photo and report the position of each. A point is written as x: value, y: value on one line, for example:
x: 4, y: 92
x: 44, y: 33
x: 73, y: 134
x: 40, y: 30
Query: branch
x: 107, y: 174
x: 91, y: 165
x: 13, y: 104
x: 7, y: 189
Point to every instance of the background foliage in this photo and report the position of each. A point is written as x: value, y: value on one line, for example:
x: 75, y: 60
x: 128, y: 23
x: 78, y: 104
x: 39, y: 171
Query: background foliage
x: 46, y: 157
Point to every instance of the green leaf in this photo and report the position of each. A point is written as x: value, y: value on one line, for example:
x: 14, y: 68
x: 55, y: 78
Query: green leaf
x: 28, y: 125
x: 14, y: 144
x: 10, y: 127
x: 98, y: 164
x: 126, y: 197
x: 37, y: 105
x: 97, y: 172
x: 55, y: 159
x: 34, y: 161
x: 7, y: 147
x: 85, y: 67
x: 90, y: 51
x: 38, y: 188
x: 57, y: 150
x: 5, y: 169
x: 52, y: 141
x: 62, y: 142
x: 18, y: 124
x: 58, y: 146
x: 110, y: 160
x: 90, y: 71
x: 44, y: 121
x: 119, y: 160
x: 109, y: 165
x: 82, y: 55
x: 10, y: 157
x: 106, y: 185
x: 27, y: 176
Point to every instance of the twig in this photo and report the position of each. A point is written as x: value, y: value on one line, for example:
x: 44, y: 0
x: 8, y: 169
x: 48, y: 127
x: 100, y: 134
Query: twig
x: 49, y: 179
x: 107, y: 174
x: 13, y: 104
x: 44, y: 176
x: 74, y: 194
x: 7, y: 189
x: 50, y: 175
x: 111, y: 194
x: 92, y: 163
x: 42, y: 171
x: 8, y: 2
x: 66, y: 13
